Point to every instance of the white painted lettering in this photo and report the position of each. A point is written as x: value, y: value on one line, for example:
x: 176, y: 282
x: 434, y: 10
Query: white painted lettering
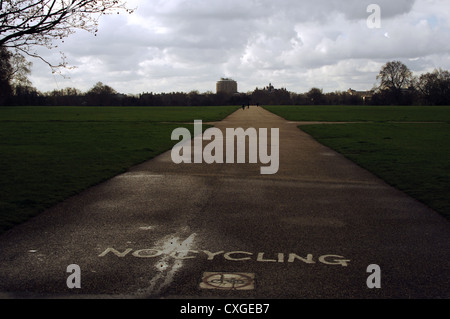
x: 227, y: 256
x: 261, y: 258
x: 115, y: 252
x: 147, y: 253
x: 308, y: 259
x: 183, y: 253
x: 337, y: 260
x: 212, y: 255
x: 281, y: 258
x: 231, y: 256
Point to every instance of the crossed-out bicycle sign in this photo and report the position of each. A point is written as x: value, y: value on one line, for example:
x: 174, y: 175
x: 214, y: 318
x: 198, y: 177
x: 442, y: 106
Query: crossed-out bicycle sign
x: 228, y: 281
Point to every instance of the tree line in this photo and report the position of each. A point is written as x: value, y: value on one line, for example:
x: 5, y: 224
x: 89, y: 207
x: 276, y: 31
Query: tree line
x: 398, y: 86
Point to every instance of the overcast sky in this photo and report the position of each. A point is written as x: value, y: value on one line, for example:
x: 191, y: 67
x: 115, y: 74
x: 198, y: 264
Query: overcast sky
x: 185, y: 45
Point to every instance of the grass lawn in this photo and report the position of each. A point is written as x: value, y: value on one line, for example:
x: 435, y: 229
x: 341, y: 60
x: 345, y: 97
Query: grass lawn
x: 413, y: 157
x: 355, y: 113
x: 50, y: 153
x: 114, y: 114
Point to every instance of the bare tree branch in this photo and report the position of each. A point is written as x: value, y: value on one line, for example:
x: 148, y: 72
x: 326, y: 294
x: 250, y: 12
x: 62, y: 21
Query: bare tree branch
x: 25, y: 24
x: 394, y: 76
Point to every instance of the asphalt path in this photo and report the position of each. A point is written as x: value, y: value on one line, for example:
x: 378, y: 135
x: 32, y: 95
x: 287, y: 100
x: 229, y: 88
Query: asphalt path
x: 165, y: 230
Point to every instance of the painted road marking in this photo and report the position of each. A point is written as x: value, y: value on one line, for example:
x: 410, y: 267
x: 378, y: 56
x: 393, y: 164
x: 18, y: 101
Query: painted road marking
x: 147, y: 227
x: 177, y: 254
x: 166, y: 266
x: 228, y: 281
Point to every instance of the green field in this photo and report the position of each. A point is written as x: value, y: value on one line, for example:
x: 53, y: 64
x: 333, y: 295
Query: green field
x: 358, y: 113
x: 114, y: 114
x: 51, y: 153
x: 407, y: 146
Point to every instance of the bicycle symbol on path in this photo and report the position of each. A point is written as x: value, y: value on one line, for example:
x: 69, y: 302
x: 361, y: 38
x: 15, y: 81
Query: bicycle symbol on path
x: 228, y: 281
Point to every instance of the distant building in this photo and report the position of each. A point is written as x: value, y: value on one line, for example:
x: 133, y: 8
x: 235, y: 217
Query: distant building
x: 227, y: 86
x: 366, y: 96
x: 270, y: 88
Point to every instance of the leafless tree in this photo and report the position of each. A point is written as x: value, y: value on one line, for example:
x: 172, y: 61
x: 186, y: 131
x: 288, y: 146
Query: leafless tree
x: 435, y: 87
x: 21, y: 68
x: 26, y: 24
x: 395, y: 76
x: 14, y: 68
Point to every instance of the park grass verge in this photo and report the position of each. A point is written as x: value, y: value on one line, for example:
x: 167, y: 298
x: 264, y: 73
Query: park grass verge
x: 410, y: 157
x: 48, y: 154
x: 362, y: 113
x: 176, y: 114
x: 406, y: 146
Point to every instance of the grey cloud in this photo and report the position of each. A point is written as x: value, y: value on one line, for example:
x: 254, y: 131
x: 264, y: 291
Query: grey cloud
x: 290, y: 42
x: 357, y: 9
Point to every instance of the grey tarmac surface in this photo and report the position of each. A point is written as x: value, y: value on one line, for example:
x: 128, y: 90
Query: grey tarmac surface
x: 161, y: 229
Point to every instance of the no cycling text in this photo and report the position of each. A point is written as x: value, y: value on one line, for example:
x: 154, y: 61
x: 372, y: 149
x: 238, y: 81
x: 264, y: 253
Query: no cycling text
x: 236, y: 256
